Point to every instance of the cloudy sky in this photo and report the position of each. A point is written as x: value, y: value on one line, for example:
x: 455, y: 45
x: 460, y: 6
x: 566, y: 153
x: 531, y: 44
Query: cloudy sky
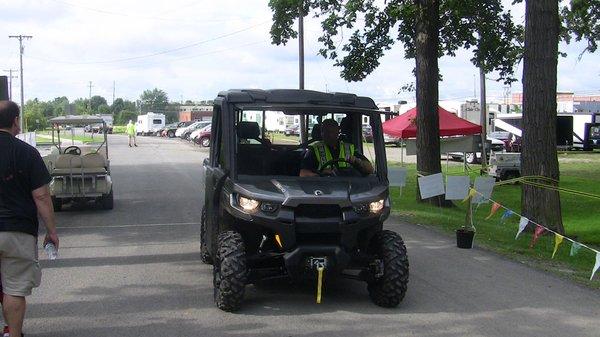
x: 192, y: 49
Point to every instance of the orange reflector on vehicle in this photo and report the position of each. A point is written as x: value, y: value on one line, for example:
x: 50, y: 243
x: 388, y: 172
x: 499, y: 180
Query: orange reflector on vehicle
x: 278, y: 240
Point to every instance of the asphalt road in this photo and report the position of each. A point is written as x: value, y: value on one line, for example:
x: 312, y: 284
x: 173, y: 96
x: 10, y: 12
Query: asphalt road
x: 135, y: 271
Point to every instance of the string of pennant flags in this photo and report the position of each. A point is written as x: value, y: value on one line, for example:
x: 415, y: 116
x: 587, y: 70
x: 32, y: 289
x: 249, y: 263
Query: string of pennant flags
x: 459, y: 188
x: 538, y: 231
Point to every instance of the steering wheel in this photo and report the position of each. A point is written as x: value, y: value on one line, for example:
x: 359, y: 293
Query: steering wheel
x: 72, y: 150
x: 334, y: 165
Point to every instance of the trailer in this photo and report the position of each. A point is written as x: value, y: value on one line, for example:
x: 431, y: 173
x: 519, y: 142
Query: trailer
x: 150, y: 123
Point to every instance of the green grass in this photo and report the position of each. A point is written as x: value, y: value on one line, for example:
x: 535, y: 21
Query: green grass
x: 581, y: 218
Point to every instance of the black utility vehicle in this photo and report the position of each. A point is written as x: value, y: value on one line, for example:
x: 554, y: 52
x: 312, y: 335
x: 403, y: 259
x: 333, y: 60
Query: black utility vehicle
x: 261, y: 220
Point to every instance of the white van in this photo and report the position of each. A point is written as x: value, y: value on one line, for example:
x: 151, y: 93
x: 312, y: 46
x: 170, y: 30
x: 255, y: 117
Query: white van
x: 150, y: 123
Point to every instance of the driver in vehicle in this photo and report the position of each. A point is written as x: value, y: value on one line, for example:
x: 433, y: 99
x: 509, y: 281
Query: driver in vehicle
x: 322, y: 152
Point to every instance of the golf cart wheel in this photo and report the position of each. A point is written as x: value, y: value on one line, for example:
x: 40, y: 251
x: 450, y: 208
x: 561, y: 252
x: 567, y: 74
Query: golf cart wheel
x: 57, y: 204
x: 108, y: 201
x: 229, y: 271
x: 204, y: 254
x: 205, y: 142
x: 471, y: 158
x: 389, y: 290
x: 171, y: 134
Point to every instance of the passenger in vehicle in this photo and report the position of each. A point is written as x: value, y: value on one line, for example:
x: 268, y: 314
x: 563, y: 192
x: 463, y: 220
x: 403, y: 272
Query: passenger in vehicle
x: 329, y: 148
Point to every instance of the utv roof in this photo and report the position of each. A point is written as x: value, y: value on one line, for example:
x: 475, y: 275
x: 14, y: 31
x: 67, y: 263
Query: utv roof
x: 297, y: 100
x: 76, y: 120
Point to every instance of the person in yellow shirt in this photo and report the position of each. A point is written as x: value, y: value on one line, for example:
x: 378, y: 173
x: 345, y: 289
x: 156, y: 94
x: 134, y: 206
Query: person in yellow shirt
x: 131, y: 132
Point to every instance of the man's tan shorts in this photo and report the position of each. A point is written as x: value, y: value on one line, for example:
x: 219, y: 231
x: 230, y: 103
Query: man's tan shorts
x: 19, y: 267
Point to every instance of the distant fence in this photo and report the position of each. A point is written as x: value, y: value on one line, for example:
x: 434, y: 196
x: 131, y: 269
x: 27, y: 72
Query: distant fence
x: 28, y: 137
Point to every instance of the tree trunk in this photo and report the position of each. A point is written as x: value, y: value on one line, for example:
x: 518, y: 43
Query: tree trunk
x: 428, y: 128
x: 539, y: 157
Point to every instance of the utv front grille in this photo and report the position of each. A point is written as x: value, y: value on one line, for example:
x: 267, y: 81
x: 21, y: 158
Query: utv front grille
x: 316, y: 211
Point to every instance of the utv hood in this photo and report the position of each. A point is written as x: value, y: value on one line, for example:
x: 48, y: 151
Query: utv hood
x: 295, y: 191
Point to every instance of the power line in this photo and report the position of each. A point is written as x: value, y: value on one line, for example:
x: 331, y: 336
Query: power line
x: 156, y: 53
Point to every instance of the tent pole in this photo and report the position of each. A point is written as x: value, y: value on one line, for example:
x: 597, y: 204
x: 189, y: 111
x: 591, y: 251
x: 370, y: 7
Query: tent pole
x: 402, y: 152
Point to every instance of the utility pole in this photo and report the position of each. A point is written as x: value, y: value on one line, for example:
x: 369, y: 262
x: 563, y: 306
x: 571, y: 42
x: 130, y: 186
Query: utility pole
x: 114, y: 86
x: 21, y: 49
x: 483, y: 109
x: 10, y: 77
x: 303, y: 121
x: 90, y: 99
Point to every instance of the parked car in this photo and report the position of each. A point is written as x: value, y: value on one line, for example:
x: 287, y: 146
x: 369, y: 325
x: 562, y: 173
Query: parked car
x: 474, y: 157
x: 193, y: 127
x: 292, y: 130
x: 367, y: 133
x: 169, y: 130
x: 512, y: 143
x: 202, y: 136
x: 391, y: 140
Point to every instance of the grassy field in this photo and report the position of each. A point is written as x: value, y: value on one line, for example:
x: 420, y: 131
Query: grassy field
x: 46, y: 136
x: 581, y: 217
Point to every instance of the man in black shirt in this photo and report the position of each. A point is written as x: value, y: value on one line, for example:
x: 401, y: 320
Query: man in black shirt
x: 24, y: 195
x: 329, y: 149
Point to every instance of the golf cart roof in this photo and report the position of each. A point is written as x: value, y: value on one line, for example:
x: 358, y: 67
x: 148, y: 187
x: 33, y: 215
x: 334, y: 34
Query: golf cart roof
x: 76, y: 120
x: 299, y: 101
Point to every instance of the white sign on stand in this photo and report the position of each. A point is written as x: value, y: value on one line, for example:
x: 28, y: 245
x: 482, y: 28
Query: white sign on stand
x: 484, y: 187
x: 431, y: 185
x: 457, y: 187
x: 399, y: 177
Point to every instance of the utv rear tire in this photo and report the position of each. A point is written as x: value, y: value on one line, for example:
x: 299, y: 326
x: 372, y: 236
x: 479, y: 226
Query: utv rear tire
x: 204, y: 253
x: 229, y: 271
x: 389, y: 290
x: 107, y: 201
x: 57, y: 204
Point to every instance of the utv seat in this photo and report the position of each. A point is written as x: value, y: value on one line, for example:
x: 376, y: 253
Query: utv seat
x: 252, y: 159
x: 67, y: 164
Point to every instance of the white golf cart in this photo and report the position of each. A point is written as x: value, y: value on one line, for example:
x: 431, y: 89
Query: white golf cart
x: 80, y: 172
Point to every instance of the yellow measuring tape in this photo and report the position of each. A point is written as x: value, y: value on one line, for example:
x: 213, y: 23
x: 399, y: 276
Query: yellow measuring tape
x: 320, y: 270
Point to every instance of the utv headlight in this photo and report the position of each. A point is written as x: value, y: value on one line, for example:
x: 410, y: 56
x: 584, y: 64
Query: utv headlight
x: 376, y: 206
x: 248, y: 204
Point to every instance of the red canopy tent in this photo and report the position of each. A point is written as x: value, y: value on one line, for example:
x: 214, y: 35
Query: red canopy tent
x: 404, y: 126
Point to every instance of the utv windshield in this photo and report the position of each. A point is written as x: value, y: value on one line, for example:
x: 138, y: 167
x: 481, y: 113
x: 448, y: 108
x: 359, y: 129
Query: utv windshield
x: 273, y: 143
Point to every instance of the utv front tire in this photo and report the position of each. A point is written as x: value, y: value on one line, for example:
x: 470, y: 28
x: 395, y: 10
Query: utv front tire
x: 229, y: 271
x: 204, y: 254
x: 389, y: 290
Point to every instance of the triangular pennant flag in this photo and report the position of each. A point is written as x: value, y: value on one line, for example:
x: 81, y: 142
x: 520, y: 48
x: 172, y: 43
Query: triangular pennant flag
x: 471, y: 194
x: 539, y: 230
x: 507, y: 214
x: 522, y: 224
x: 558, y: 239
x: 574, y: 248
x: 495, y: 208
x: 596, y: 266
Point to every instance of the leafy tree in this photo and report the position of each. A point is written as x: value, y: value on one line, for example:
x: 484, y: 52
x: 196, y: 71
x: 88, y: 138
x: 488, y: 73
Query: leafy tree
x: 154, y: 100
x: 426, y: 28
x: 117, y: 106
x: 104, y: 110
x: 61, y: 106
x: 124, y: 116
x: 97, y: 101
x: 582, y: 19
x: 34, y: 115
x: 81, y: 106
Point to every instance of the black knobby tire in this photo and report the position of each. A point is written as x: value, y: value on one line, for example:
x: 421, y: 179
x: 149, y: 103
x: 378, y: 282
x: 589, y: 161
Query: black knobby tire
x: 204, y: 253
x: 229, y: 271
x: 107, y: 201
x: 389, y: 290
x: 57, y: 204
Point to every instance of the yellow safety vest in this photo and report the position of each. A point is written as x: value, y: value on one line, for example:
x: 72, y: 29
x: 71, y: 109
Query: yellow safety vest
x: 323, y: 154
x: 131, y: 129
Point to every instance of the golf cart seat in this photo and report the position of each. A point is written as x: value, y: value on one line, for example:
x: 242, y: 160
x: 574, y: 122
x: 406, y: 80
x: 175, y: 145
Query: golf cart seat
x: 92, y: 163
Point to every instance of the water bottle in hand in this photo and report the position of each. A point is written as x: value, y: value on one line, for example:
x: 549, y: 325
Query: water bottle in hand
x: 51, y: 251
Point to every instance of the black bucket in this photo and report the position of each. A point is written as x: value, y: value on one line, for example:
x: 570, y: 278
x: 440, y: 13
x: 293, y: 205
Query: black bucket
x: 464, y: 238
